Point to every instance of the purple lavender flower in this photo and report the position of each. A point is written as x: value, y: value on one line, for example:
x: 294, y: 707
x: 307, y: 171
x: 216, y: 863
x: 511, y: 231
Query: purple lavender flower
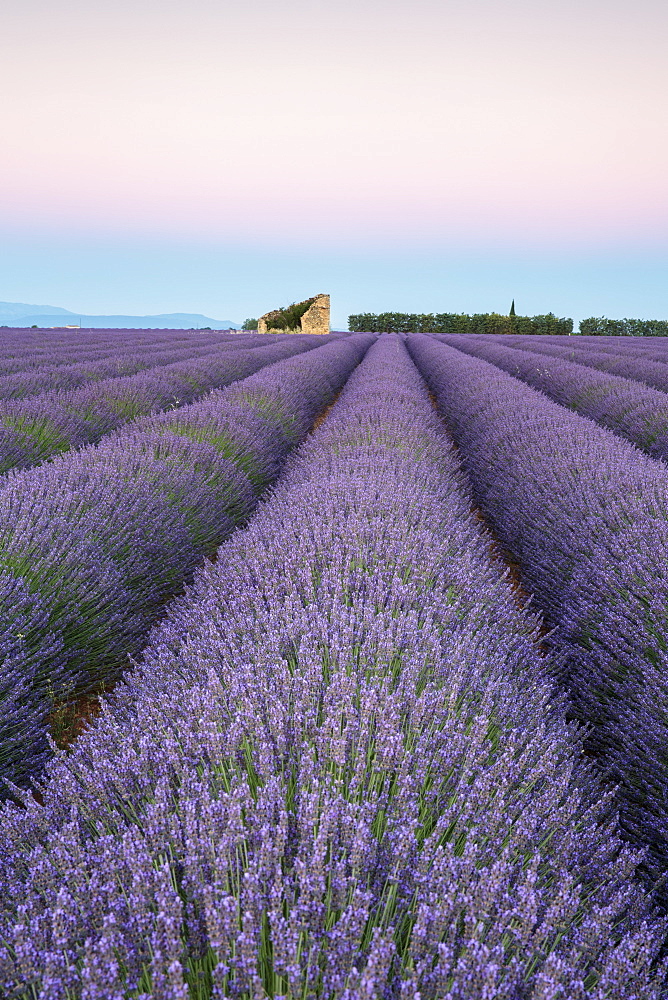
x: 584, y: 515
x: 106, y: 535
x: 339, y: 770
x: 41, y: 426
x: 624, y: 406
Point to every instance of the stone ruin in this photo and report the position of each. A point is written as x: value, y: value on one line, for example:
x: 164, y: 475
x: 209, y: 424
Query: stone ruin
x: 315, y: 318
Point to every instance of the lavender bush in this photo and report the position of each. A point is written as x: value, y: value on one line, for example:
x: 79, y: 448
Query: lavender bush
x: 35, y: 429
x: 649, y: 368
x: 23, y: 614
x: 51, y: 377
x: 585, y: 514
x: 106, y: 535
x: 631, y: 410
x: 339, y: 770
x: 23, y: 352
x: 653, y: 348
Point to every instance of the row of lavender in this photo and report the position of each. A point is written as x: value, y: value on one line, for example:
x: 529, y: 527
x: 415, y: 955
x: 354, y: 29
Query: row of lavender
x: 585, y: 514
x: 625, y: 406
x: 651, y: 368
x: 22, y: 352
x: 93, y: 543
x: 339, y: 771
x: 73, y: 373
x: 654, y: 348
x: 34, y: 429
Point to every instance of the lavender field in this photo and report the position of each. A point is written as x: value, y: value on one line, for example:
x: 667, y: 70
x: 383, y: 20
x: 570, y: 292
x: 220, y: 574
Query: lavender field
x: 333, y: 667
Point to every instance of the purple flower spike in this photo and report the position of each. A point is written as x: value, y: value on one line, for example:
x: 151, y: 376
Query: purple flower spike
x: 340, y: 769
x: 105, y: 536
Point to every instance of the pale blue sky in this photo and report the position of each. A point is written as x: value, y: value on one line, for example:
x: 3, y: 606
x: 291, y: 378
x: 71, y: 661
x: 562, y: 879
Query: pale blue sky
x: 438, y: 155
x: 234, y: 282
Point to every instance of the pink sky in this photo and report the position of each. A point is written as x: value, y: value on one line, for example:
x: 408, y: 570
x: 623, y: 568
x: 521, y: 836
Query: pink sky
x: 350, y: 123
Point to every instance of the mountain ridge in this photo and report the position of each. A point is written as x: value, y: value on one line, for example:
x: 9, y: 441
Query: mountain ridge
x: 23, y: 314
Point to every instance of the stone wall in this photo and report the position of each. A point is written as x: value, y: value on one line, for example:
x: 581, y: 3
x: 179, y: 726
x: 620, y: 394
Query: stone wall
x: 264, y: 323
x: 314, y: 320
x: 316, y: 317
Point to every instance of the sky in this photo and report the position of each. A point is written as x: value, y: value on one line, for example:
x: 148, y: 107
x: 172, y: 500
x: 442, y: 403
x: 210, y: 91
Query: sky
x: 431, y: 156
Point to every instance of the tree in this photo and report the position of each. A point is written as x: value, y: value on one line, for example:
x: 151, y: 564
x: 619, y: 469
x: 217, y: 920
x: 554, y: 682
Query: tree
x: 512, y: 308
x: 249, y: 324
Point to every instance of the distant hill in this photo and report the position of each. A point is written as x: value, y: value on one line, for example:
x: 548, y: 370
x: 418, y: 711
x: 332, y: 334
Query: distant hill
x: 22, y: 314
x: 15, y: 310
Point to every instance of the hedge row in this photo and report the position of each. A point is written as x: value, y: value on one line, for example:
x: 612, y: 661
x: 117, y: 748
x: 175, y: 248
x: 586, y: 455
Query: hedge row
x: 602, y: 327
x: 450, y: 323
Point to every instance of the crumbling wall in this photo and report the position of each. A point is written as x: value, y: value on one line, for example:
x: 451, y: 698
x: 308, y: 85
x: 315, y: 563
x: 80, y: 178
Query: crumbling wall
x: 314, y: 319
x: 264, y: 323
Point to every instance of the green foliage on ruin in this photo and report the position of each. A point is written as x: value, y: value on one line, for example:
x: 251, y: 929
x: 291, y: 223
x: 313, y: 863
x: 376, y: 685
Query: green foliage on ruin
x: 288, y: 317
